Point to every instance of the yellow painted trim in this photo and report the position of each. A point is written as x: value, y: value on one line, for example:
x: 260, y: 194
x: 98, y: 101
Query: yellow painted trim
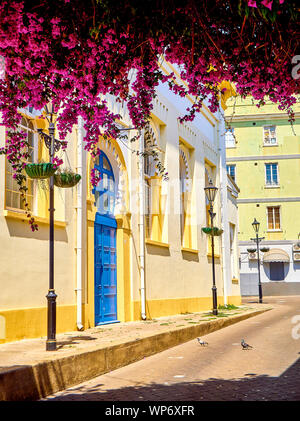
x: 189, y: 250
x: 171, y: 307
x: 25, y: 323
x: 124, y: 310
x: 234, y: 299
x: 217, y: 256
x: 22, y: 216
x: 157, y: 243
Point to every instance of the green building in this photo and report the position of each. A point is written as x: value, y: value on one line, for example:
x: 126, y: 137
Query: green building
x: 263, y: 158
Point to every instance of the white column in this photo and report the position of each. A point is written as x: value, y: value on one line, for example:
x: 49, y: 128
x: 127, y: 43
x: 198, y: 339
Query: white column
x: 226, y: 261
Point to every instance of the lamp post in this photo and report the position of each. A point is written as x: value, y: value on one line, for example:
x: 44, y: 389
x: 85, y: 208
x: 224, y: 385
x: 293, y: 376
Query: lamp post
x: 210, y: 192
x: 257, y: 239
x: 53, y: 145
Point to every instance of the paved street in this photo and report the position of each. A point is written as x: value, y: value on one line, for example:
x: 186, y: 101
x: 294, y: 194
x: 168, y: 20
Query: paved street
x: 220, y: 371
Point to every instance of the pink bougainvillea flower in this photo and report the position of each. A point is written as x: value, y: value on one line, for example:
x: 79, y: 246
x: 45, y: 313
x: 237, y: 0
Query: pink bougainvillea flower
x: 106, y: 51
x: 252, y: 3
x: 267, y: 3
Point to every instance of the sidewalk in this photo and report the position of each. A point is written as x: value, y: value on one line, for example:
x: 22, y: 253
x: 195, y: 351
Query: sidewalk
x: 29, y: 372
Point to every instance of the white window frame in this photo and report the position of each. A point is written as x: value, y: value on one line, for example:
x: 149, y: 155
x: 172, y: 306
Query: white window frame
x: 234, y: 166
x: 269, y: 143
x: 274, y: 229
x: 272, y: 184
x: 230, y: 139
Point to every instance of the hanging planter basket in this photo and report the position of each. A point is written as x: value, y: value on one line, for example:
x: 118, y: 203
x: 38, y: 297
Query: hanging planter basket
x: 251, y: 250
x: 265, y: 249
x: 42, y: 170
x: 212, y: 231
x: 66, y: 179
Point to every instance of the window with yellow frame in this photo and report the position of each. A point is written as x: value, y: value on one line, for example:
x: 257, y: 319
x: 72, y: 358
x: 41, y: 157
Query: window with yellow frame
x: 185, y: 223
x: 153, y: 217
x: 209, y: 175
x: 13, y: 199
x: 148, y: 169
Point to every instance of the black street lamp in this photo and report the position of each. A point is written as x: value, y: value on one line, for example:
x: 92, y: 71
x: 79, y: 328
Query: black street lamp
x: 211, y: 192
x: 257, y: 239
x: 53, y: 145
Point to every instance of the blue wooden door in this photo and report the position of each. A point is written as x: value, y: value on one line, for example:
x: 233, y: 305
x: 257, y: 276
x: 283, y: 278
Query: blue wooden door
x: 105, y: 273
x: 105, y: 258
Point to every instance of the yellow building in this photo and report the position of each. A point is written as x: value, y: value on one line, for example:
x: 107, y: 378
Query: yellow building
x: 131, y: 248
x: 263, y: 157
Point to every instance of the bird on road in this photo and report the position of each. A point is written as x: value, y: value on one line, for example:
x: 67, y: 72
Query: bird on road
x: 201, y: 342
x: 245, y: 345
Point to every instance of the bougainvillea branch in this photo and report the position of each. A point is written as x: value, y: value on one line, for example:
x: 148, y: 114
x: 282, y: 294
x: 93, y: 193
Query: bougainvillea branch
x: 75, y: 53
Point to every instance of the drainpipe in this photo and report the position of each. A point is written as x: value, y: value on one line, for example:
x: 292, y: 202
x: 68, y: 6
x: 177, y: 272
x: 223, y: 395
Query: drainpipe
x: 142, y: 224
x: 224, y: 208
x: 79, y: 224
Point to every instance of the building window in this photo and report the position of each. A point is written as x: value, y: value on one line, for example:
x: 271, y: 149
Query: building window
x: 270, y: 135
x: 148, y: 207
x: 105, y: 190
x: 182, y: 202
x: 232, y: 250
x: 13, y: 198
x: 210, y: 175
x: 271, y: 174
x: 185, y: 200
x: 231, y: 171
x: 230, y: 138
x: 149, y: 171
x: 273, y: 218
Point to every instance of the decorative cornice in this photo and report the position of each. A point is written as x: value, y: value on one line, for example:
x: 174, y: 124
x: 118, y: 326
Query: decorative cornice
x: 261, y: 117
x: 268, y: 242
x: 269, y: 200
x: 262, y: 157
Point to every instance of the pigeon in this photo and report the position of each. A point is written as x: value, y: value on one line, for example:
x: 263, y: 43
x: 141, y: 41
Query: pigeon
x: 245, y: 345
x: 201, y: 342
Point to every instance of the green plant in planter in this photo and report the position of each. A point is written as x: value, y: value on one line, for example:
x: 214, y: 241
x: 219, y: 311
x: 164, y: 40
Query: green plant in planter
x: 66, y: 178
x: 212, y: 231
x: 264, y: 249
x: 251, y: 250
x: 40, y: 170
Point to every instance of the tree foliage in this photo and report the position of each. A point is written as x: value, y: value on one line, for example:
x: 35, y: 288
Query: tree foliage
x: 74, y: 53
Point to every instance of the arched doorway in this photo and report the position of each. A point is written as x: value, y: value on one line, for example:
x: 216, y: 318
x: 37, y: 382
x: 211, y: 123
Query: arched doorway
x: 105, y: 256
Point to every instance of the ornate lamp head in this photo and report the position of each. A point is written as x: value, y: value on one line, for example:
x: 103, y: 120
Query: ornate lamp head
x: 255, y: 225
x: 210, y: 192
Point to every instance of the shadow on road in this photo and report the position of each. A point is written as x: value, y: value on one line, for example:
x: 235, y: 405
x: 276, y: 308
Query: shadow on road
x: 252, y: 387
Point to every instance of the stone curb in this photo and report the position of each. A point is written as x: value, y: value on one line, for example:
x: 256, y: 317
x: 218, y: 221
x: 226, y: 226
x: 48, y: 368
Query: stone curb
x: 33, y: 382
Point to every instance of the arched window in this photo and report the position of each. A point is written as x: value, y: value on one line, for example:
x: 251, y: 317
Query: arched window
x: 208, y: 178
x: 182, y: 191
x: 105, y: 190
x: 12, y: 194
x: 149, y: 171
x: 188, y: 237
